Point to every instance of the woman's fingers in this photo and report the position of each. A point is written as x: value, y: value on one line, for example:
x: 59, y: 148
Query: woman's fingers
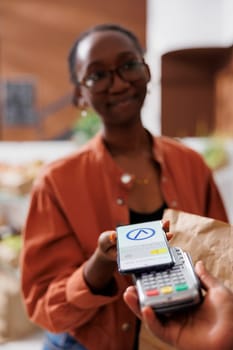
x: 131, y: 298
x: 169, y: 235
x: 166, y: 225
x: 112, y: 237
x: 107, y: 241
x: 166, y: 228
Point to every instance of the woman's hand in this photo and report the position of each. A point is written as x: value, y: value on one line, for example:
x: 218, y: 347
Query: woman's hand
x: 107, y: 245
x: 209, y: 326
x: 100, y: 267
x: 107, y: 242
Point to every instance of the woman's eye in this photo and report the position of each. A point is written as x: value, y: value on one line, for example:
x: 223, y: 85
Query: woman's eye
x: 130, y: 65
x: 96, y: 76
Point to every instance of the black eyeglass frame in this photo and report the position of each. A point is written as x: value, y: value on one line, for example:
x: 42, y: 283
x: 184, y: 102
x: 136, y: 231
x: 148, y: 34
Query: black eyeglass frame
x: 111, y: 72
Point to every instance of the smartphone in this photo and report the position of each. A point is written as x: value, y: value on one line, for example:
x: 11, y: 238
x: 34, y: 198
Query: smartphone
x: 142, y: 246
x: 170, y: 290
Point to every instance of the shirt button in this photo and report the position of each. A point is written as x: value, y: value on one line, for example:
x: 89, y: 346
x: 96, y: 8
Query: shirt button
x: 125, y: 327
x: 174, y: 204
x: 120, y: 201
x: 126, y: 178
x: 164, y: 179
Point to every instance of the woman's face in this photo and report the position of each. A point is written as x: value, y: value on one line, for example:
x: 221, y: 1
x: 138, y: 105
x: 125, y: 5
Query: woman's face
x: 116, y: 99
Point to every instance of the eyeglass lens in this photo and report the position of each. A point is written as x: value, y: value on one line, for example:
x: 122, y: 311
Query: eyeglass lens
x: 127, y: 73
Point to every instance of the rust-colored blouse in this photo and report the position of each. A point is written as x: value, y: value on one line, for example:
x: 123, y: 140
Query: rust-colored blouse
x: 73, y: 201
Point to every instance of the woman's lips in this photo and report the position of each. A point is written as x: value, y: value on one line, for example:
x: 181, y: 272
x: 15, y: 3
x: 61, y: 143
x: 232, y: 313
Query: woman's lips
x: 121, y: 102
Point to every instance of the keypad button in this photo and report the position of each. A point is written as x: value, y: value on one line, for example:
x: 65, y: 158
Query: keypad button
x: 167, y: 290
x: 181, y: 287
x: 152, y: 292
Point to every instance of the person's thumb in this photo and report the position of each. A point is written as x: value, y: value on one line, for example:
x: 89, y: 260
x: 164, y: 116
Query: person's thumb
x: 208, y: 280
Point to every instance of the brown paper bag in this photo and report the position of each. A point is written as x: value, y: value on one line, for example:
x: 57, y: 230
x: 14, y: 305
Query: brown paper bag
x: 204, y: 239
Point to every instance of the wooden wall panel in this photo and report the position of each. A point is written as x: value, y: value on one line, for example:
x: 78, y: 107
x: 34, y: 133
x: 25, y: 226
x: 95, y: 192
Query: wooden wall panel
x: 35, y: 37
x: 195, y: 95
x: 224, y: 101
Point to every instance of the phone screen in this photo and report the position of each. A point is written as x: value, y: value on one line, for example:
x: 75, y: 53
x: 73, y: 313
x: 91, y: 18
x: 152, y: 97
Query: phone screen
x: 141, y: 246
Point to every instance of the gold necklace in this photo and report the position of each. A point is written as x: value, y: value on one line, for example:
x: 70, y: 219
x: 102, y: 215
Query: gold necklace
x: 127, y: 177
x: 142, y: 181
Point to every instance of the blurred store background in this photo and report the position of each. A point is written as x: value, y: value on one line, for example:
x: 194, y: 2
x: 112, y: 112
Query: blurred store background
x: 189, y: 48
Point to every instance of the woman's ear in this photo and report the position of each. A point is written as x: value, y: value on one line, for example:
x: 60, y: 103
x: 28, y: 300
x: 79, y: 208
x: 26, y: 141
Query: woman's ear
x: 75, y: 97
x: 78, y: 99
x: 148, y: 72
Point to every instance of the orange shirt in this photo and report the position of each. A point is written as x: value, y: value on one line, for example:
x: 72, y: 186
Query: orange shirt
x: 73, y: 201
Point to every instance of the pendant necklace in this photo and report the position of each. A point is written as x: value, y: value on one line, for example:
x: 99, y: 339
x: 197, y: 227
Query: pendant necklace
x: 126, y: 178
x: 142, y: 181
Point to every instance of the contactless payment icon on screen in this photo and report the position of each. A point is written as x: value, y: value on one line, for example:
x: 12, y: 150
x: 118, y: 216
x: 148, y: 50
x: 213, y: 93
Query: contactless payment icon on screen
x: 140, y: 234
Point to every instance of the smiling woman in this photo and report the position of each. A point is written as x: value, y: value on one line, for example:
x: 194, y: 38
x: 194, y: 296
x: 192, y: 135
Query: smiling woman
x: 54, y: 31
x: 71, y: 285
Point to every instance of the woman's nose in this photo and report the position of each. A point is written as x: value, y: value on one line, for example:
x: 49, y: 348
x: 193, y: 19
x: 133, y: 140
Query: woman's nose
x: 117, y: 82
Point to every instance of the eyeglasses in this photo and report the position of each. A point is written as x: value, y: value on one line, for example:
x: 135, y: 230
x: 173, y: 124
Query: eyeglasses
x: 102, y: 80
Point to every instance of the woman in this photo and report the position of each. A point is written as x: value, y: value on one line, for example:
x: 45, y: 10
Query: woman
x: 70, y: 281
